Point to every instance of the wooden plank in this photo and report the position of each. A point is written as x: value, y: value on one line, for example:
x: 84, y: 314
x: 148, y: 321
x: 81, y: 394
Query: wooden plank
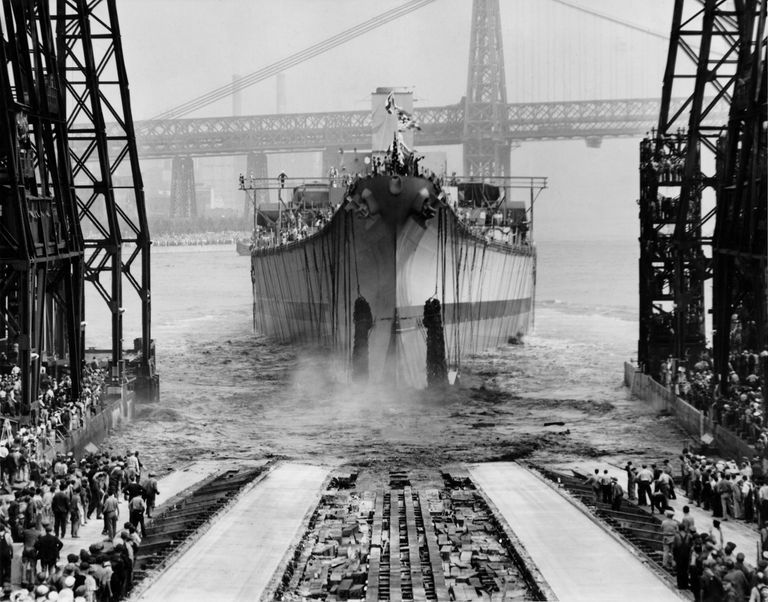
x: 441, y: 590
x: 378, y: 516
x: 374, y: 562
x: 417, y: 579
x: 374, y: 558
x: 395, y: 590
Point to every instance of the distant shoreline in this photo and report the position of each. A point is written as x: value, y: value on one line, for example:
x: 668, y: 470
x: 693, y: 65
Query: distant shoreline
x: 194, y: 248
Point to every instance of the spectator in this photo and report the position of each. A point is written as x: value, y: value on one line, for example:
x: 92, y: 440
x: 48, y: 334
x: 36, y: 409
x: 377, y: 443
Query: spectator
x: 60, y: 506
x: 48, y: 547
x: 111, y: 514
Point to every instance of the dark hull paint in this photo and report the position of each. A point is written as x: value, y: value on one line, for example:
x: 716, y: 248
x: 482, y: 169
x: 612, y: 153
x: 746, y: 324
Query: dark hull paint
x: 396, y: 260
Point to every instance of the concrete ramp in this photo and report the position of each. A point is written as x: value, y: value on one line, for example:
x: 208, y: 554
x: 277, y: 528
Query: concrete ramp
x: 579, y: 560
x: 235, y: 559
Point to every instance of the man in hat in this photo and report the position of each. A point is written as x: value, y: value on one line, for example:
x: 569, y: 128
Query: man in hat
x: 711, y: 585
x: 724, y: 490
x: 150, y: 492
x: 736, y: 578
x: 131, y: 466
x: 605, y: 487
x: 29, y: 537
x: 631, y: 479
x: 681, y: 550
x: 111, y: 512
x: 48, y: 547
x: 60, y: 505
x: 716, y: 534
x: 136, y: 508
x: 644, y: 480
x: 688, y: 520
x: 594, y: 482
x: 669, y: 528
x: 617, y: 494
x: 744, y: 567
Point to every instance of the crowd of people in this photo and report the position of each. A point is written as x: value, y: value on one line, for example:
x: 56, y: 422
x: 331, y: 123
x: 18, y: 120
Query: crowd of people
x: 50, y: 502
x: 45, y: 497
x: 712, y: 569
x: 741, y: 410
x: 199, y: 238
x: 701, y: 558
x: 56, y: 412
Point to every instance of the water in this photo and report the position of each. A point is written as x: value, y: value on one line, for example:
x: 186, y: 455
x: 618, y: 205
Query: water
x: 229, y: 393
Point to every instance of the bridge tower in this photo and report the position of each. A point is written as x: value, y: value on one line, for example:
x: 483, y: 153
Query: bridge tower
x: 183, y: 198
x: 106, y: 174
x: 486, y: 150
x: 41, y: 252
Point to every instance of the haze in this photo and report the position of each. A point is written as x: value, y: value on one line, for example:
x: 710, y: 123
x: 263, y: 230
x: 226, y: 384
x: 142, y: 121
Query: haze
x: 178, y: 49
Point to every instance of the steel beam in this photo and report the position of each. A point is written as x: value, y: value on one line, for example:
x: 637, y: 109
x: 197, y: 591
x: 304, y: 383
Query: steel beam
x: 106, y: 172
x: 214, y: 136
x: 739, y: 242
x: 41, y: 253
x: 673, y: 249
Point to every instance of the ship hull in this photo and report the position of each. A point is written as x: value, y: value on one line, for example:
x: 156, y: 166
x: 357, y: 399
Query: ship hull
x: 394, y: 258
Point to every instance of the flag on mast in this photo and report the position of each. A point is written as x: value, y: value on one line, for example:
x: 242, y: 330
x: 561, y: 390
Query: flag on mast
x: 405, y: 120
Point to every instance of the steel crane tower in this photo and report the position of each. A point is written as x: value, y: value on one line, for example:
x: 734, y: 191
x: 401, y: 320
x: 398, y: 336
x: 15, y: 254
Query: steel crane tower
x: 740, y: 240
x: 677, y: 171
x: 41, y: 249
x: 106, y: 173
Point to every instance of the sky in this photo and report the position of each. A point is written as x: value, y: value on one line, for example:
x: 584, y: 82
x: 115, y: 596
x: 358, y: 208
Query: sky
x: 176, y: 50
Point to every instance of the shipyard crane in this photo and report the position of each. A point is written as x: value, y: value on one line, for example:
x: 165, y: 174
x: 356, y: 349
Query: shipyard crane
x: 739, y: 243
x: 715, y: 47
x: 61, y: 222
x: 106, y: 176
x: 41, y: 253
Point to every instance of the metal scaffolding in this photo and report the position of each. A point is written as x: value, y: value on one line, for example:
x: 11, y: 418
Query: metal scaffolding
x: 740, y: 240
x: 679, y: 178
x: 41, y: 253
x: 106, y: 174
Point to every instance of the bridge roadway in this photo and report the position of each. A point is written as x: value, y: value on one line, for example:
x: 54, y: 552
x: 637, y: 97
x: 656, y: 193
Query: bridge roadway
x: 440, y: 126
x: 579, y: 559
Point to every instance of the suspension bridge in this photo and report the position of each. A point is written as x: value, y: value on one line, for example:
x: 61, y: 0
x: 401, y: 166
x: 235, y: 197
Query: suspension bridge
x: 558, y: 91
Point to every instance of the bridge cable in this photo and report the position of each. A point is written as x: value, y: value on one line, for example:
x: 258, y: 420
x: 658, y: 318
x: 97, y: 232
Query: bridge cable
x: 612, y: 19
x: 290, y: 61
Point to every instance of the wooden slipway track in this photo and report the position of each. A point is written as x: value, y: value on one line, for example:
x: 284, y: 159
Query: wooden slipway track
x: 295, y: 532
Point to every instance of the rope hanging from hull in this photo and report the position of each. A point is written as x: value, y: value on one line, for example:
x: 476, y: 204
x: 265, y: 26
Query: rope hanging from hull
x: 363, y: 320
x: 437, y: 371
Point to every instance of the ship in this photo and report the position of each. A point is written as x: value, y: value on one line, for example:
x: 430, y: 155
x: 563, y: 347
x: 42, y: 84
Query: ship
x: 398, y: 270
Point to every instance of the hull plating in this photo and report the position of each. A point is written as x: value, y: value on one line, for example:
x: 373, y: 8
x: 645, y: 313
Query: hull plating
x: 306, y: 291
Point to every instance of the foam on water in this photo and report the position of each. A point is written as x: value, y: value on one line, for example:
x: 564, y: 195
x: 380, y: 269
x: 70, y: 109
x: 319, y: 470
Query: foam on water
x: 230, y: 393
